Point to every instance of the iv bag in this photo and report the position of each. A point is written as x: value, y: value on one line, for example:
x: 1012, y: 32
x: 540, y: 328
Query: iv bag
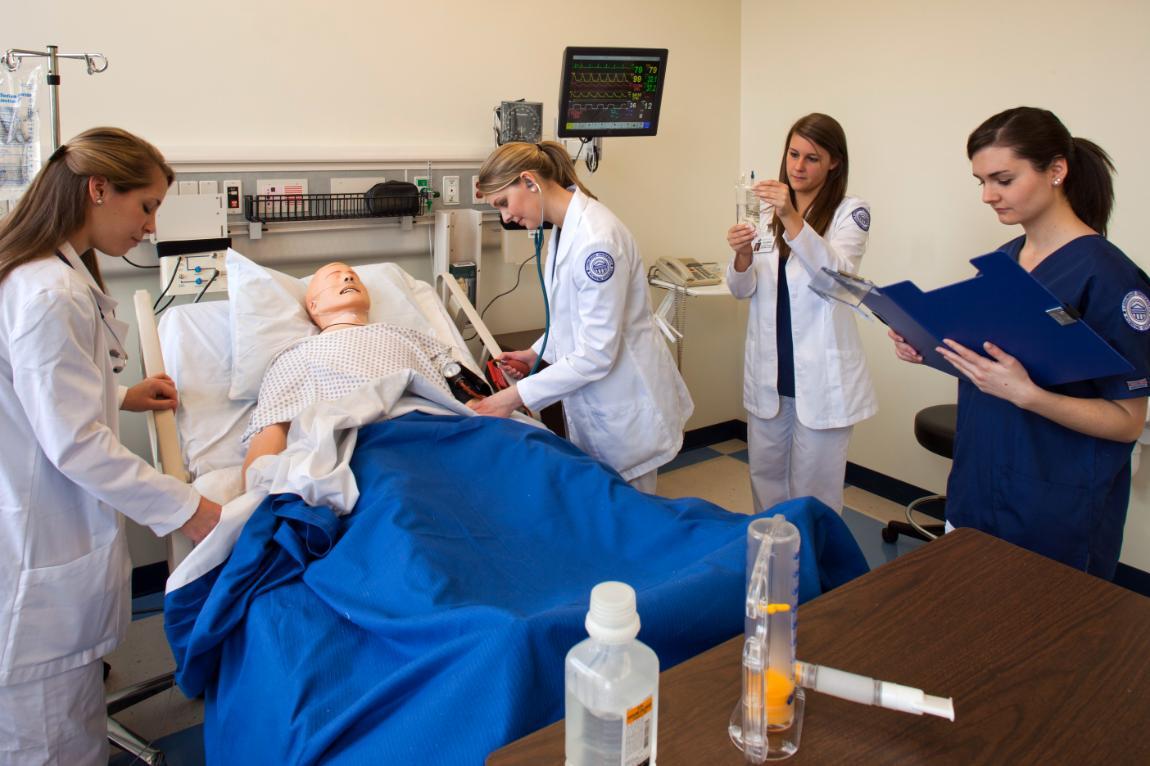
x: 19, y: 132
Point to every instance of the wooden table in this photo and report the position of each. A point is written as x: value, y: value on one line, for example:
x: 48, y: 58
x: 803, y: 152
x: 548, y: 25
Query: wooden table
x: 1046, y: 665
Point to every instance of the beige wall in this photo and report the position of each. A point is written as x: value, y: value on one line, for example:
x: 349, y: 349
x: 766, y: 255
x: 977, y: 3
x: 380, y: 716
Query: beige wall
x: 909, y: 80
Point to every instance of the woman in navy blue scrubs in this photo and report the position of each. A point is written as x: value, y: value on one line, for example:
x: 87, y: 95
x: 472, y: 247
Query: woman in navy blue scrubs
x: 1048, y: 469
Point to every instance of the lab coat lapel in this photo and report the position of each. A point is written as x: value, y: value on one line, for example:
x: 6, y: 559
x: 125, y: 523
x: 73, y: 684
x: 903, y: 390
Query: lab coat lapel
x: 106, y: 303
x: 571, y: 226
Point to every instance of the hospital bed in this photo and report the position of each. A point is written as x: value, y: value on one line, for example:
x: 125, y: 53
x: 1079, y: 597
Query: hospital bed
x: 428, y: 624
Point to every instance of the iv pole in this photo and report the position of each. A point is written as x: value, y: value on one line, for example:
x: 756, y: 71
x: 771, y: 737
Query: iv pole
x: 96, y: 63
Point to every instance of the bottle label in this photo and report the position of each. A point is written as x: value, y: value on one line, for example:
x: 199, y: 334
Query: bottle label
x: 637, y: 734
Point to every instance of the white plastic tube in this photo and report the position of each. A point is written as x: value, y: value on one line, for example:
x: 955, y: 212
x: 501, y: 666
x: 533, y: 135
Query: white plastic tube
x: 870, y: 691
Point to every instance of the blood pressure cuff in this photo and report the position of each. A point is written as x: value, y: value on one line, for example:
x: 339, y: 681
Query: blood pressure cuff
x: 467, y: 386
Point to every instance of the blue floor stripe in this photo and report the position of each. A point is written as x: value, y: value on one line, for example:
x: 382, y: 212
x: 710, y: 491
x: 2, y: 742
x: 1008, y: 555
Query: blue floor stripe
x: 690, y: 457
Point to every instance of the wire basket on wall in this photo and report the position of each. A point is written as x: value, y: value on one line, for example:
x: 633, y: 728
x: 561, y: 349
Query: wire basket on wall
x: 388, y: 199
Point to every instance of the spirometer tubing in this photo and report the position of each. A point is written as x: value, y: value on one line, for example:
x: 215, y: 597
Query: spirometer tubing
x: 871, y: 691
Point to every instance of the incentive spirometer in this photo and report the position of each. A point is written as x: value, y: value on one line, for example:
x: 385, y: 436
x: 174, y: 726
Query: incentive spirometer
x: 766, y: 723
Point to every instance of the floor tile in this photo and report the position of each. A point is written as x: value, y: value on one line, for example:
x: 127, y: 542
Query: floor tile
x: 722, y: 481
x: 145, y: 654
x: 690, y: 457
x: 873, y: 505
x: 729, y: 446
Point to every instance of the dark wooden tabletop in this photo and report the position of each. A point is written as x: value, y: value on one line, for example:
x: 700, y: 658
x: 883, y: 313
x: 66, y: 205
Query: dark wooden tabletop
x: 1046, y: 665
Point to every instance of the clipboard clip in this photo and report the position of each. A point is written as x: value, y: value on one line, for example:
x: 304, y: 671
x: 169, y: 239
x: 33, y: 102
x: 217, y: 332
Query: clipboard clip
x: 846, y: 288
x: 1064, y: 315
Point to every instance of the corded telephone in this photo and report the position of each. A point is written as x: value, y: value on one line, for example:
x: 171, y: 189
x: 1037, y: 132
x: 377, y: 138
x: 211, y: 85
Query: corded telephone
x: 687, y: 272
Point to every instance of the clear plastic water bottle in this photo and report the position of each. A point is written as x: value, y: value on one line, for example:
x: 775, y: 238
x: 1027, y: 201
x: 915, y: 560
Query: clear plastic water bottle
x: 612, y: 686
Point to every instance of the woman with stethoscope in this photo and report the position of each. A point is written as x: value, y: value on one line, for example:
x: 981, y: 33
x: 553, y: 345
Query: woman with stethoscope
x: 64, y: 475
x: 805, y: 381
x: 624, y: 401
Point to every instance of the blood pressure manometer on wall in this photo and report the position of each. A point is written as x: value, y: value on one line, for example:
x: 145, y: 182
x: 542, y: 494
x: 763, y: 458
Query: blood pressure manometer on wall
x: 518, y: 121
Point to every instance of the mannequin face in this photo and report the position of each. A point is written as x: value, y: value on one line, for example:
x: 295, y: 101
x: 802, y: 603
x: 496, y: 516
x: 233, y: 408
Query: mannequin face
x: 118, y: 221
x: 336, y: 295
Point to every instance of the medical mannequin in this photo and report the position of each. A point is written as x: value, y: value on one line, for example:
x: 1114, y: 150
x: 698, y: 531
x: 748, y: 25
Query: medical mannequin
x: 1048, y: 469
x: 805, y: 380
x: 624, y: 401
x: 65, y: 478
x: 335, y: 300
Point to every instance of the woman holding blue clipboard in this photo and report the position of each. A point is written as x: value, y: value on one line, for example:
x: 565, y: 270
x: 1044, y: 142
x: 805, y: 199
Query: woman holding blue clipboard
x: 1048, y: 469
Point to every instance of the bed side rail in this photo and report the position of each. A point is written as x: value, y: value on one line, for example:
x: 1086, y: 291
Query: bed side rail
x: 449, y: 290
x: 162, y: 433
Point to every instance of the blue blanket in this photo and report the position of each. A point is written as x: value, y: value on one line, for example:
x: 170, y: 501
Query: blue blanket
x: 431, y: 623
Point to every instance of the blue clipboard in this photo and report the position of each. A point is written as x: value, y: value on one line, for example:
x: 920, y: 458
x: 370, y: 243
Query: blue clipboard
x: 1003, y: 304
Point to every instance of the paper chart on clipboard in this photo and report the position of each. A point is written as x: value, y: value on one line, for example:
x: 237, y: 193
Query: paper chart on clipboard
x: 1002, y: 304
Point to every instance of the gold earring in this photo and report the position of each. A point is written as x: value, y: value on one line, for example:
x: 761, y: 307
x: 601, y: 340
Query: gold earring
x: 100, y: 201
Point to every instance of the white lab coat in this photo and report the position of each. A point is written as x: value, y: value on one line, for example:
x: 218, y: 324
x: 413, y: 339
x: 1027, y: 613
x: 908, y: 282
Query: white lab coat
x: 624, y: 400
x: 64, y: 567
x: 832, y: 386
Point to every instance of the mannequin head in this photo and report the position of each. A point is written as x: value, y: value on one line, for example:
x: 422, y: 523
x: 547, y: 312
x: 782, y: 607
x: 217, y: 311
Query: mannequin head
x: 336, y: 297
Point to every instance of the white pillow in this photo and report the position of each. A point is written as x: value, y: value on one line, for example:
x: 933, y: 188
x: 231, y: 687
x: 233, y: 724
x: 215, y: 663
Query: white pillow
x: 267, y: 314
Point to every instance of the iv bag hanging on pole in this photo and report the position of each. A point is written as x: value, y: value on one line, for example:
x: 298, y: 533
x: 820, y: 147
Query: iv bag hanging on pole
x: 19, y: 132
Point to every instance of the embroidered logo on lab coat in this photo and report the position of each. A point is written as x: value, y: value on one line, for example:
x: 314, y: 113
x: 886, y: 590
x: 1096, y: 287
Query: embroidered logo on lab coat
x: 599, y: 266
x: 1136, y: 310
x: 861, y: 216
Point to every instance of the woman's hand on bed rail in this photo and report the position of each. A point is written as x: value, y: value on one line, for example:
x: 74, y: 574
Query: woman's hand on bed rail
x: 204, y: 520
x: 499, y: 405
x: 157, y: 392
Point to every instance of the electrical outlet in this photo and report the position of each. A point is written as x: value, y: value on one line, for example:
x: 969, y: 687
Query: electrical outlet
x: 451, y: 190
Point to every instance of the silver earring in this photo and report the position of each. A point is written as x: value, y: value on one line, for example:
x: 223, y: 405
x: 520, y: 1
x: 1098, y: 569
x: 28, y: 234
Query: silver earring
x: 1057, y: 181
x: 100, y: 201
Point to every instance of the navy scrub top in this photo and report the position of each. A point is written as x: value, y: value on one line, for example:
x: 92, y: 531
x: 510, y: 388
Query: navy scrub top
x: 1030, y: 481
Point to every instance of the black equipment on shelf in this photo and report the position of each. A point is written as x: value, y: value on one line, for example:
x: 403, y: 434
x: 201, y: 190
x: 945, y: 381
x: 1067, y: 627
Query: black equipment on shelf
x: 387, y: 199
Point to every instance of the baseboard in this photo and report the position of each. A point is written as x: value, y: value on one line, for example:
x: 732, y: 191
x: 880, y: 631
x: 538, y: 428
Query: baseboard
x: 713, y: 434
x: 1132, y: 579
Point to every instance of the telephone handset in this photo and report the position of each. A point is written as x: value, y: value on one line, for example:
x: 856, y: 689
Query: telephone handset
x: 687, y: 272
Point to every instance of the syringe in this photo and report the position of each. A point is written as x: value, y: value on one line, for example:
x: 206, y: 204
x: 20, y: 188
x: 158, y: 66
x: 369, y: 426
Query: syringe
x: 870, y: 691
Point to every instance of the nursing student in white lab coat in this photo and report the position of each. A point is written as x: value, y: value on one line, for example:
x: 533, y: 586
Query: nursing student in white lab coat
x: 805, y: 383
x: 65, y: 478
x: 624, y: 400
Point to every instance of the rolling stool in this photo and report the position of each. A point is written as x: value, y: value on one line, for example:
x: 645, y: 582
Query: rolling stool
x: 934, y: 429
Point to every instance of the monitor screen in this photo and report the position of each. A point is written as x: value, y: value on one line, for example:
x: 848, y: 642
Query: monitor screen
x: 611, y: 91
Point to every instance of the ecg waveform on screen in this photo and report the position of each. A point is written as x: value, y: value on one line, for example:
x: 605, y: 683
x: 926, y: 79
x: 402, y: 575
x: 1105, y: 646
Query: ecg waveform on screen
x: 612, y: 93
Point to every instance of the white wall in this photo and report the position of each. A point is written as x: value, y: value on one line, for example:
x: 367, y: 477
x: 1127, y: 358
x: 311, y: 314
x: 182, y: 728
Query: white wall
x: 909, y: 81
x: 379, y: 81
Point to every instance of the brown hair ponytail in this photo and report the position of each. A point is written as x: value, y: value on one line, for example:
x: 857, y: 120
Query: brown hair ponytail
x: 55, y: 205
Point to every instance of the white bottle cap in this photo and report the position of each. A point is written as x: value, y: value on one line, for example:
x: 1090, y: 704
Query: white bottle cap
x: 612, y: 617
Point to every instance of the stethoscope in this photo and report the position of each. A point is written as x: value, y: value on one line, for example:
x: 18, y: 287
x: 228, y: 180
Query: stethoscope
x: 117, y: 353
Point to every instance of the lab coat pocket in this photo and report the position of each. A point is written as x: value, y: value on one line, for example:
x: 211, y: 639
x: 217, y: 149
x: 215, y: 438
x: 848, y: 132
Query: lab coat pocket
x: 64, y: 609
x: 848, y: 390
